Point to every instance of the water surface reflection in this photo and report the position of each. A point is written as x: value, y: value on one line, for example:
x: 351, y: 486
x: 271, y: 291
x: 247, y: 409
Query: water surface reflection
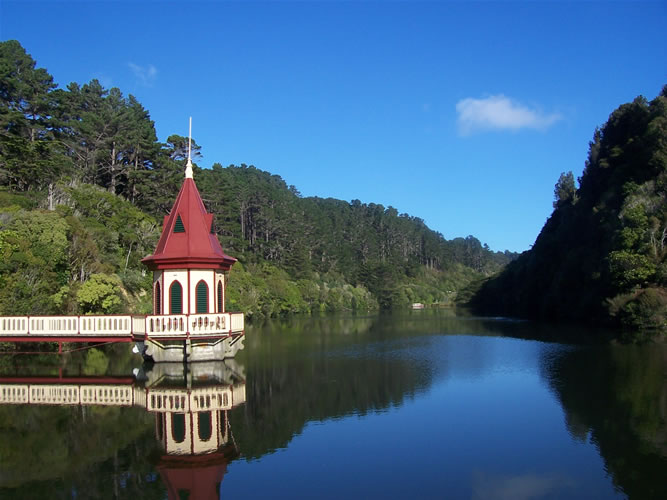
x: 425, y: 404
x: 471, y: 408
x: 615, y: 397
x: 192, y: 444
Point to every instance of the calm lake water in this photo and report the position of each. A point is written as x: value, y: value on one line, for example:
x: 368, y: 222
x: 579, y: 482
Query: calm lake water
x: 421, y: 405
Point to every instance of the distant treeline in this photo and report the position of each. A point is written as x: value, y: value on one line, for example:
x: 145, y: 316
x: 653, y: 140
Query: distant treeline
x: 600, y: 257
x: 84, y: 180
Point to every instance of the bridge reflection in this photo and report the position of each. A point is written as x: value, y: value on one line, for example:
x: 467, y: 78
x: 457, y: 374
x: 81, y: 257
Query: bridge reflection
x: 190, y: 403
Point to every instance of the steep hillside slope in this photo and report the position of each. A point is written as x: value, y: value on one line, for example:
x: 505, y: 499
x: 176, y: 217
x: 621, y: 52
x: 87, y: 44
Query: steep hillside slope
x: 601, y: 254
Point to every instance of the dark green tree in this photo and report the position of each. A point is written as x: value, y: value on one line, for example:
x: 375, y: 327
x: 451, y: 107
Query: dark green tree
x: 29, y: 158
x: 565, y: 190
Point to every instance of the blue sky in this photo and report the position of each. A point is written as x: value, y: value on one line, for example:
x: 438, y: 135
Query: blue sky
x: 461, y: 113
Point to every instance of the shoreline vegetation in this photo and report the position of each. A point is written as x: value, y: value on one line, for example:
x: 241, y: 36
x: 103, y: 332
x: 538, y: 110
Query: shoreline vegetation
x: 84, y: 184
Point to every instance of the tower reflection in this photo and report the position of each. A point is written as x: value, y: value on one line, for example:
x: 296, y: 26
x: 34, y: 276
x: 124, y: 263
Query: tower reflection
x: 190, y: 402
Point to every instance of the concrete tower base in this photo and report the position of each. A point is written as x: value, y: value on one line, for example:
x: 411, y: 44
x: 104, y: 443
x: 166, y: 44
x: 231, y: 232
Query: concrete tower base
x: 189, y: 350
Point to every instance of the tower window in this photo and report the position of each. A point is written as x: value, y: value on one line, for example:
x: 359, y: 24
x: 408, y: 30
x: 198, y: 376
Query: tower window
x: 201, y: 293
x: 158, y: 299
x: 176, y: 298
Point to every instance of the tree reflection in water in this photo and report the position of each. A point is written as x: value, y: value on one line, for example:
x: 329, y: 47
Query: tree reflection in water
x: 322, y: 370
x: 615, y: 396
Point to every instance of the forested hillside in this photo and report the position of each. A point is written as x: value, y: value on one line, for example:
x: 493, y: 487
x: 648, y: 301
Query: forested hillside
x: 84, y: 182
x: 601, y: 255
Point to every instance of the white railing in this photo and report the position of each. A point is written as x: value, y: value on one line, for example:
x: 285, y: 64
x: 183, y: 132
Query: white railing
x: 208, y: 323
x: 167, y: 325
x: 177, y: 325
x: 107, y: 395
x: 68, y: 394
x: 238, y: 394
x: 105, y: 325
x: 167, y: 400
x: 139, y: 396
x: 237, y: 322
x: 196, y: 399
x: 14, y: 325
x: 14, y: 394
x: 138, y: 324
x: 154, y: 400
x: 54, y: 325
x: 211, y: 398
x: 54, y: 394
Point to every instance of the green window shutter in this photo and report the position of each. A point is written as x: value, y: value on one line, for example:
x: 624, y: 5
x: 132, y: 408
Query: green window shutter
x: 201, y: 292
x: 178, y: 225
x: 176, y: 298
x: 219, y: 296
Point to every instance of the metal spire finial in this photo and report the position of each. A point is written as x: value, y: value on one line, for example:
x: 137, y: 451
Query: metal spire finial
x: 188, y: 166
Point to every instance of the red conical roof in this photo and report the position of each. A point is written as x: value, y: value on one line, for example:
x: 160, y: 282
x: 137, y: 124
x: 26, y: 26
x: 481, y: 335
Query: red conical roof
x: 188, y: 240
x: 197, y: 475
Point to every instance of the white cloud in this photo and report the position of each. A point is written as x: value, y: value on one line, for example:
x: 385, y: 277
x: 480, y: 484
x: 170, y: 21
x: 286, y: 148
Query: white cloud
x: 498, y: 112
x: 145, y: 75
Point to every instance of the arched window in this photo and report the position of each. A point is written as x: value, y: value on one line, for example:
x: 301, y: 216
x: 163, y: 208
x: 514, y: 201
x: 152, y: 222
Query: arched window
x: 220, y: 301
x: 178, y: 427
x: 175, y: 298
x: 201, y: 294
x: 204, y: 425
x: 158, y: 299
